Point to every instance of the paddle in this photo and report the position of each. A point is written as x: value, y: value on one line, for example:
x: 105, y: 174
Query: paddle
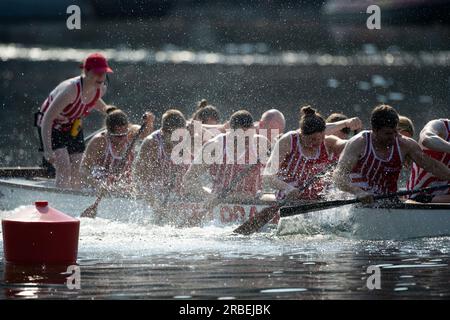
x: 91, y: 211
x: 261, y: 218
x: 305, y: 208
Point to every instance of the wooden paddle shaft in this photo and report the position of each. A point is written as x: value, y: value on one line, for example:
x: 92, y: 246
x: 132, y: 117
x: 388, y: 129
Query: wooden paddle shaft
x: 294, y: 210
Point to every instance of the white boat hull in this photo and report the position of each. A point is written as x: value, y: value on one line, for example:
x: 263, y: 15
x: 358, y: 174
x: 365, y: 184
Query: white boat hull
x: 411, y: 221
x: 15, y: 192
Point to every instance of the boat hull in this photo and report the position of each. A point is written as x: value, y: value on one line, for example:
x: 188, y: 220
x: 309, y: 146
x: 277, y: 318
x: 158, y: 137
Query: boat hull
x: 15, y: 192
x: 406, y: 221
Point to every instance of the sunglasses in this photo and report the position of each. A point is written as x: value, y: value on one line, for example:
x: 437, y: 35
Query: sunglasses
x: 346, y: 131
x: 118, y: 134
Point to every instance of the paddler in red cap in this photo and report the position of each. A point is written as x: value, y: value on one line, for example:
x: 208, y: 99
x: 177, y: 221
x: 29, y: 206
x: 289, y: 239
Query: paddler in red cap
x: 59, y: 118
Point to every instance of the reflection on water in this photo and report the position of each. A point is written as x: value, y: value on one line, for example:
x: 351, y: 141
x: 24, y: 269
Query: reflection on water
x: 125, y: 260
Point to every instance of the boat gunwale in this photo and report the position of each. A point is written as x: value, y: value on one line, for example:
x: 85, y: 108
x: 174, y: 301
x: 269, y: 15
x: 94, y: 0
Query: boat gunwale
x: 29, y: 173
x: 91, y: 193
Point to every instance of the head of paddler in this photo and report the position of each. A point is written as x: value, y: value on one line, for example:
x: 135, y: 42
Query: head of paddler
x: 117, y: 125
x: 405, y: 127
x: 274, y: 122
x: 241, y: 119
x: 206, y: 113
x: 95, y: 67
x: 384, y: 121
x: 171, y: 121
x: 312, y: 128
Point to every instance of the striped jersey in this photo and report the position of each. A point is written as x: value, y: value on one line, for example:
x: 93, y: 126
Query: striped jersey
x: 233, y: 165
x: 170, y: 174
x: 113, y: 160
x: 298, y: 169
x: 419, y: 178
x: 375, y: 175
x: 72, y: 111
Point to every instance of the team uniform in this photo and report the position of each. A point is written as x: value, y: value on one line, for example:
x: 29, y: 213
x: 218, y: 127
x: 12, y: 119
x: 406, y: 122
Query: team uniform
x: 297, y: 169
x: 62, y: 125
x: 112, y: 161
x: 375, y: 175
x: 170, y: 174
x: 233, y: 165
x: 419, y: 178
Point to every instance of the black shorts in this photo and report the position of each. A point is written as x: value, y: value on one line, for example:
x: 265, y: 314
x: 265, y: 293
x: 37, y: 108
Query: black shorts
x: 63, y: 139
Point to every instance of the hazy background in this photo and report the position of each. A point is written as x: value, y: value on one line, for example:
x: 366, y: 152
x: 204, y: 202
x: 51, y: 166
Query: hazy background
x: 236, y: 54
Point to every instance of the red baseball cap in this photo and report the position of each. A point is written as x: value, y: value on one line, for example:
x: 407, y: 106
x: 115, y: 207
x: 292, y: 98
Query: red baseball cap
x: 96, y: 62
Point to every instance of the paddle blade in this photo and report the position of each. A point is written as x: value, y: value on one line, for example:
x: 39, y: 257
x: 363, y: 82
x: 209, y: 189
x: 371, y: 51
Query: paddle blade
x: 90, y: 212
x: 258, y: 221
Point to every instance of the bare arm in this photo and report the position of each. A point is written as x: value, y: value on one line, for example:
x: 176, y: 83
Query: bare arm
x: 354, y: 124
x: 413, y: 150
x: 349, y: 158
x: 192, y: 184
x: 334, y: 144
x: 150, y: 118
x: 101, y: 106
x: 93, y: 156
x: 433, y: 136
x: 145, y: 165
x: 280, y: 150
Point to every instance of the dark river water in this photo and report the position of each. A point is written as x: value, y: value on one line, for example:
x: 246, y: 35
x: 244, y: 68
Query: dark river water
x: 280, y: 65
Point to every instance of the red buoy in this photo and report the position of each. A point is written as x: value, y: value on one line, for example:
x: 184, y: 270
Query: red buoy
x: 40, y: 235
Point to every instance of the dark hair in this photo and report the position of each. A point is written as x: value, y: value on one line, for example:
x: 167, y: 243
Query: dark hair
x: 311, y: 121
x: 172, y: 119
x: 110, y: 109
x: 384, y: 116
x: 241, y: 119
x: 206, y: 113
x: 115, y: 118
x: 201, y: 104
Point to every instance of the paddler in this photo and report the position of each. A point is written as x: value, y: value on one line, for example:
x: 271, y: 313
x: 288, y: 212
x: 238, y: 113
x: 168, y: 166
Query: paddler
x: 105, y: 152
x: 158, y: 173
x: 59, y: 118
x: 302, y: 154
x: 233, y: 162
x: 435, y: 142
x: 372, y: 160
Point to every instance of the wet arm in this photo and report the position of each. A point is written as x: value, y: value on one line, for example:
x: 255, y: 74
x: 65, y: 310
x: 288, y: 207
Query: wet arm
x: 432, y: 137
x: 92, y: 157
x: 353, y: 124
x: 270, y: 176
x: 347, y: 161
x: 192, y: 184
x: 429, y: 164
x: 334, y: 144
x: 145, y: 165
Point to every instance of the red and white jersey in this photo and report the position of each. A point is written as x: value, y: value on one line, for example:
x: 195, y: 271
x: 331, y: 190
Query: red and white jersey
x: 419, y: 178
x: 72, y: 111
x: 375, y: 175
x: 233, y: 165
x: 296, y: 168
x: 170, y: 174
x: 112, y: 161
